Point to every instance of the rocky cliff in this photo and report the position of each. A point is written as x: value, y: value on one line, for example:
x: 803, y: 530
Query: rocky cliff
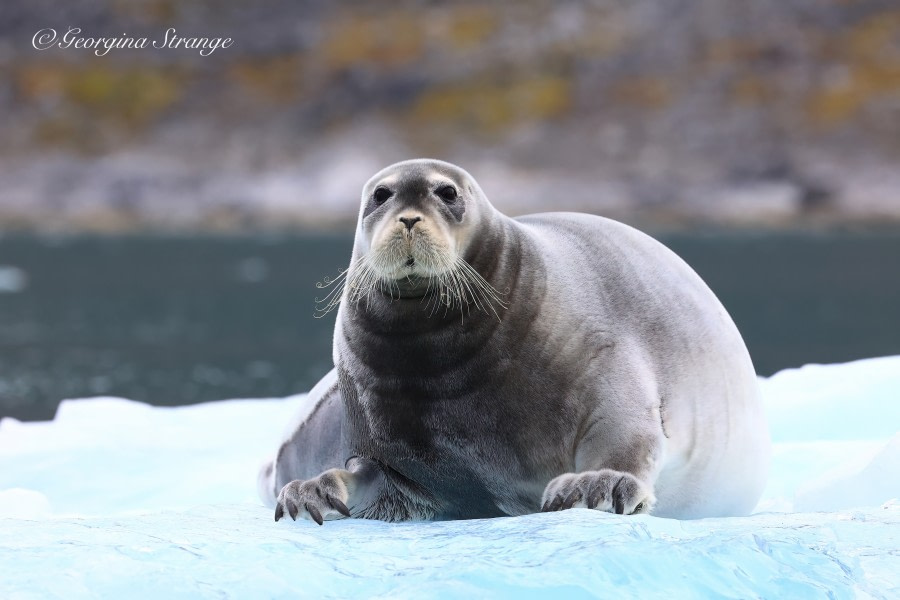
x: 670, y: 112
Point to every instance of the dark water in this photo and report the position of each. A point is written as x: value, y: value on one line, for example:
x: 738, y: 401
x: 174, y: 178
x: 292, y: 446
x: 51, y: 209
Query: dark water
x: 182, y: 320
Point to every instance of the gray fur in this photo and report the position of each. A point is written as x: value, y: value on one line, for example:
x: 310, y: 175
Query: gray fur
x: 609, y: 376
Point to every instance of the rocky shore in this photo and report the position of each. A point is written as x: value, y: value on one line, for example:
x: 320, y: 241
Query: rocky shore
x: 777, y: 113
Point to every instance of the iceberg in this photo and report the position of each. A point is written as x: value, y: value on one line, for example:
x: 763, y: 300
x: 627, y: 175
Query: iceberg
x: 115, y: 498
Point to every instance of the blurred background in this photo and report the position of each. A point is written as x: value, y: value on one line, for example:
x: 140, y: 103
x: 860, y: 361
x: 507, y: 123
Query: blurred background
x: 165, y: 216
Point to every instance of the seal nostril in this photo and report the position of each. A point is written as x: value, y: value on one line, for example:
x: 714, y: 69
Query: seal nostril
x: 410, y: 261
x: 410, y: 221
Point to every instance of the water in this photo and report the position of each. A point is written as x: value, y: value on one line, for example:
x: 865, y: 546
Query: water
x: 176, y: 321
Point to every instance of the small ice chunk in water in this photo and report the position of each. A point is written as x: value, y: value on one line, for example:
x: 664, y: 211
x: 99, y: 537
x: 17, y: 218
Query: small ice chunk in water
x: 12, y: 279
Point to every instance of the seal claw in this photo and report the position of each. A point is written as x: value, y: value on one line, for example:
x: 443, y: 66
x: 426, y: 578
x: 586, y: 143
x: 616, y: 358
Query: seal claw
x: 556, y: 504
x: 338, y: 506
x: 572, y: 498
x: 314, y: 513
x: 619, y: 496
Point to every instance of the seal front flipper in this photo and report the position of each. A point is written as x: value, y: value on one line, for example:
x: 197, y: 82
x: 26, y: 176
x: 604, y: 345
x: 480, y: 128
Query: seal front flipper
x: 606, y: 490
x: 318, y: 498
x: 333, y: 494
x: 618, y: 453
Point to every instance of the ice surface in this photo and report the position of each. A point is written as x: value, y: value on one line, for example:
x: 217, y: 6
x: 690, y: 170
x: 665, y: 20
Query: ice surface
x: 117, y: 499
x: 238, y: 550
x: 856, y: 482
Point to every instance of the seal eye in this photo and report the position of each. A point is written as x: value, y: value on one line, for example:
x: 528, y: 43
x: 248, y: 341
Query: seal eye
x: 381, y: 195
x: 447, y: 193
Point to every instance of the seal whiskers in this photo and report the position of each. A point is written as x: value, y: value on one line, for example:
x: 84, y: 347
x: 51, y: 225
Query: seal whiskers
x: 333, y: 297
x: 455, y: 285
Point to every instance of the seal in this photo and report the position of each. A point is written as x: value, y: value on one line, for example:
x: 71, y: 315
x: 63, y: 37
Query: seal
x: 489, y: 366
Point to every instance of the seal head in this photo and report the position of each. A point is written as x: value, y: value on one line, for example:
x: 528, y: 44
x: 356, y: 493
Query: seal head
x: 418, y: 223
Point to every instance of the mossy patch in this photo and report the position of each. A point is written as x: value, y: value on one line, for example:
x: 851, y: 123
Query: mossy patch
x: 129, y: 94
x: 387, y: 40
x: 642, y: 92
x: 867, y: 64
x: 494, y: 106
x: 277, y: 78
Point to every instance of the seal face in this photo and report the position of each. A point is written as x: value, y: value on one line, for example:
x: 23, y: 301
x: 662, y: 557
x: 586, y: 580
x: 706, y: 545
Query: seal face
x: 489, y: 366
x: 414, y: 229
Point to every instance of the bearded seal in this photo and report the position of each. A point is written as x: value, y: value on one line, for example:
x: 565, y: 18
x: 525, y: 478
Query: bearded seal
x: 489, y: 366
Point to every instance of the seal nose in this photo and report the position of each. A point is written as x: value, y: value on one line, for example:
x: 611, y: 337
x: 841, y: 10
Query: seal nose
x: 410, y: 221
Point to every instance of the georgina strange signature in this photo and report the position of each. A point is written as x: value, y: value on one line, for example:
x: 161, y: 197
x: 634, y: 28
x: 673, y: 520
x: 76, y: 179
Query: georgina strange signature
x: 48, y: 37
